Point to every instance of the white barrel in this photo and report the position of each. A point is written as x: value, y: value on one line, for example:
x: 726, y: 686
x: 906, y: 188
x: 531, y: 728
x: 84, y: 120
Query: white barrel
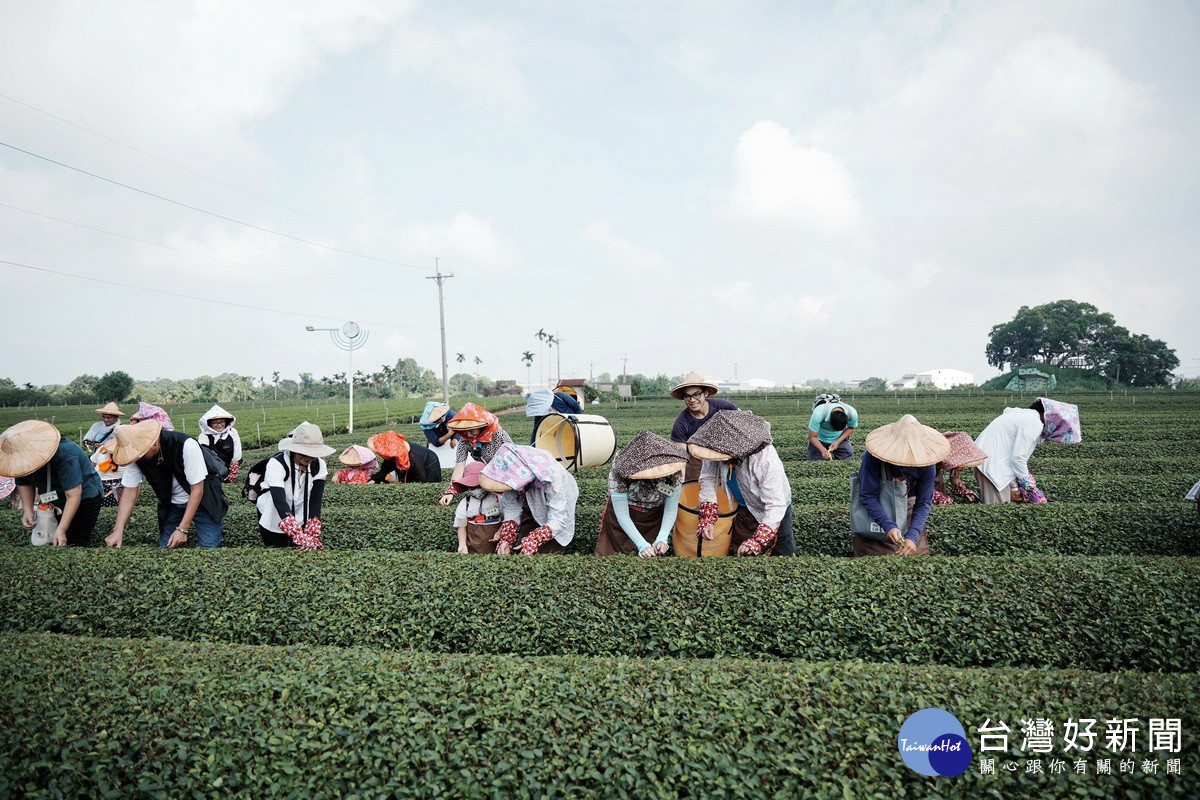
x: 576, y: 440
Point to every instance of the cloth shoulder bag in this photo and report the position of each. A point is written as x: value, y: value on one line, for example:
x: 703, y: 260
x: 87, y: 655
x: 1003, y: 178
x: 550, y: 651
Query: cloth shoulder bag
x: 893, y: 496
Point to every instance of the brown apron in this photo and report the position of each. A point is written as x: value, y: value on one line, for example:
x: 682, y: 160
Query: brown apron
x: 529, y: 525
x: 479, y: 537
x: 692, y: 471
x: 870, y: 547
x: 613, y: 540
x: 745, y: 525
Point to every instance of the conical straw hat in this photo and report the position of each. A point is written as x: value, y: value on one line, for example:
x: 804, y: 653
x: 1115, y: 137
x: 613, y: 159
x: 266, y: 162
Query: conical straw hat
x: 908, y: 443
x: 111, y: 408
x: 707, y: 454
x: 130, y: 442
x: 692, y: 379
x: 26, y: 446
x: 493, y: 485
x: 661, y: 471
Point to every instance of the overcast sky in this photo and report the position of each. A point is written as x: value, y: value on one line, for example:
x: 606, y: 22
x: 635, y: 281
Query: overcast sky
x: 799, y: 189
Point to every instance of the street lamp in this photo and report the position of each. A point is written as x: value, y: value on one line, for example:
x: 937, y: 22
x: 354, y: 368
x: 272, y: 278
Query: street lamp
x: 349, y: 337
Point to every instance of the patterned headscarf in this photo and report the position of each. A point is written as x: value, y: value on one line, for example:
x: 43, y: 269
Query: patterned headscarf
x: 963, y: 451
x: 473, y: 413
x: 1062, y: 422
x: 734, y: 433
x: 538, y: 402
x: 645, y: 451
x: 390, y: 444
x: 147, y: 411
x: 519, y: 465
x: 6, y: 486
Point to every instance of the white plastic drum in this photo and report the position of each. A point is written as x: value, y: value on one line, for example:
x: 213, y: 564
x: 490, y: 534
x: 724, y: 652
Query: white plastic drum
x: 576, y: 440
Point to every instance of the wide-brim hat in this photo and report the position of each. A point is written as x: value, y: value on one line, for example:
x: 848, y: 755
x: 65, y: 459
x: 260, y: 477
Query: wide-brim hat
x: 908, y: 443
x: 437, y: 412
x: 493, y: 485
x: 307, y: 440
x: 707, y: 454
x: 568, y: 390
x: 457, y: 424
x: 471, y: 473
x: 111, y: 408
x: 130, y: 442
x: 661, y: 471
x: 692, y: 379
x: 26, y: 446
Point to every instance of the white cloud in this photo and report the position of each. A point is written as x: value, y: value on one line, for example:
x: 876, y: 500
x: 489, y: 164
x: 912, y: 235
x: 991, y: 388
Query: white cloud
x: 465, y: 238
x: 624, y: 254
x: 777, y: 179
x: 479, y: 61
x: 767, y: 307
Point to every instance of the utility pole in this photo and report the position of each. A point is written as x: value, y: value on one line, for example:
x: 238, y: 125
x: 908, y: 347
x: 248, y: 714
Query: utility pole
x: 440, y: 278
x: 558, y: 342
x: 625, y: 368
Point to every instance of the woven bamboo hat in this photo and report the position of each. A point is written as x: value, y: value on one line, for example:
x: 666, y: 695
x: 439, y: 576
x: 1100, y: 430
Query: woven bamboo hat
x: 457, y: 424
x: 493, y: 485
x: 111, y: 408
x: 693, y: 379
x: 130, y: 442
x: 27, y: 446
x: 437, y: 412
x: 908, y: 443
x: 707, y: 453
x: 661, y: 471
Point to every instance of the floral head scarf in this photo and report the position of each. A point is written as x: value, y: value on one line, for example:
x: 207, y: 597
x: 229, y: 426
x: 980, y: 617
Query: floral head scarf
x: 390, y: 444
x: 519, y: 465
x: 147, y: 411
x: 735, y: 433
x: 356, y: 452
x: 1061, y: 422
x: 6, y: 486
x: 645, y: 451
x: 473, y: 413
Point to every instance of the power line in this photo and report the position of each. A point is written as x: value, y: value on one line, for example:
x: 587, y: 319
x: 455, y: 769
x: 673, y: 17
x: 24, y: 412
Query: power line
x: 203, y: 255
x: 217, y: 181
x: 213, y: 213
x: 307, y: 315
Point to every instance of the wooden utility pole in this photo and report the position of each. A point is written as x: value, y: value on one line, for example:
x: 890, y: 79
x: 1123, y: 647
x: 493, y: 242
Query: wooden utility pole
x: 440, y: 278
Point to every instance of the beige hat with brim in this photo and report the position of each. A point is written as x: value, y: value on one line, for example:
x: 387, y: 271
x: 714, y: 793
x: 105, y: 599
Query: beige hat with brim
x: 693, y: 379
x: 492, y: 485
x: 27, y: 446
x: 705, y: 454
x: 661, y: 471
x: 111, y: 408
x: 307, y: 440
x: 438, y: 412
x: 130, y: 442
x: 466, y: 424
x: 908, y: 443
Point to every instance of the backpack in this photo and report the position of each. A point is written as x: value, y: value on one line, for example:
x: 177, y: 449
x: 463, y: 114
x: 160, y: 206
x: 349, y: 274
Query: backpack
x: 216, y: 465
x: 252, y: 489
x: 822, y: 399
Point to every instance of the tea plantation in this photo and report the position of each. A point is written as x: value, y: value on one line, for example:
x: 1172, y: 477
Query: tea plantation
x: 390, y: 666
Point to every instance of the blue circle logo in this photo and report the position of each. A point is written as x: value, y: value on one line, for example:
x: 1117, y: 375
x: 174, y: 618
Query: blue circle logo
x: 933, y: 742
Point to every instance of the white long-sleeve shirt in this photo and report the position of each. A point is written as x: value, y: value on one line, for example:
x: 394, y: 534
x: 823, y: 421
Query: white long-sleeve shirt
x: 549, y: 504
x: 1009, y: 440
x: 762, y: 480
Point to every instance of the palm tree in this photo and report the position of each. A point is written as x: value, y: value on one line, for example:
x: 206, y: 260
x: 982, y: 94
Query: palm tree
x: 478, y: 360
x: 527, y: 357
x: 460, y: 358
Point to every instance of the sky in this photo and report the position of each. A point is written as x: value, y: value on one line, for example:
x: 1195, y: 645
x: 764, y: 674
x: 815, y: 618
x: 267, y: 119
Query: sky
x: 773, y: 190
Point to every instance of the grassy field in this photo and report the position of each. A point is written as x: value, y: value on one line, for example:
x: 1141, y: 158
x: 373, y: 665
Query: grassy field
x: 388, y: 665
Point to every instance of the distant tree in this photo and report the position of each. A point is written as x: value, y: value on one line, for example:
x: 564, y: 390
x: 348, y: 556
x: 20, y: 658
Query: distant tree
x: 1067, y: 330
x: 873, y: 384
x: 275, y: 380
x: 114, y: 387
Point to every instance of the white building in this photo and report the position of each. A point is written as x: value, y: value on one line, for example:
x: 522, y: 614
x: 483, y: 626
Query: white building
x: 748, y: 385
x: 937, y: 378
